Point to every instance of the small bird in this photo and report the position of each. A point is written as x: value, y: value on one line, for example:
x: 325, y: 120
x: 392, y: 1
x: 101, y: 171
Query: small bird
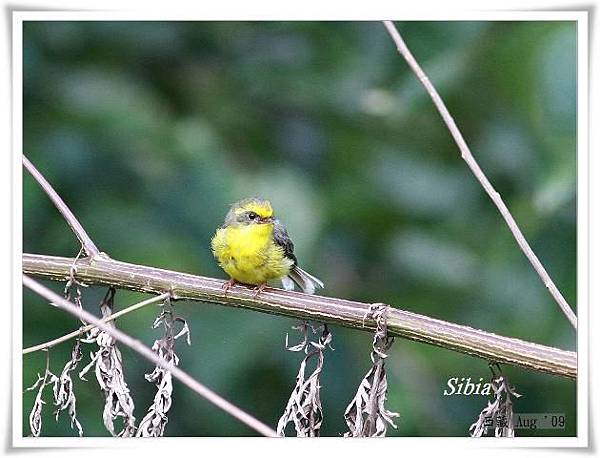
x: 253, y: 247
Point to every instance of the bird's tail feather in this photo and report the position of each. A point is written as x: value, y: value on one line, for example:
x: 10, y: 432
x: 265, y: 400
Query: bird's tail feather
x: 303, y: 279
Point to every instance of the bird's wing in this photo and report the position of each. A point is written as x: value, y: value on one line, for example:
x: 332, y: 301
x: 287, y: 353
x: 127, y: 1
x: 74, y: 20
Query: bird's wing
x: 303, y: 279
x: 281, y: 238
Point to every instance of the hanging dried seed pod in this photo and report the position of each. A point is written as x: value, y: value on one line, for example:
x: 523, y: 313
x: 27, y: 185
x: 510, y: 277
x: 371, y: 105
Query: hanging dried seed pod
x: 108, y: 364
x: 35, y: 416
x: 304, y: 408
x: 154, y: 422
x: 498, y: 414
x: 366, y: 415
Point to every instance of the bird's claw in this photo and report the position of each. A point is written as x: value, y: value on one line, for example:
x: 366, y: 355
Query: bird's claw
x: 259, y: 289
x: 228, y: 284
x: 232, y: 282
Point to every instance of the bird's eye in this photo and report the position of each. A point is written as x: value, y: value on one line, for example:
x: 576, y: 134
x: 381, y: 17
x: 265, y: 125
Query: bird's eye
x: 252, y: 215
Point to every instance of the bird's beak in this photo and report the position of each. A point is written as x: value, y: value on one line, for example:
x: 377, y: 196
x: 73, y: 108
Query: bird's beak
x: 266, y: 220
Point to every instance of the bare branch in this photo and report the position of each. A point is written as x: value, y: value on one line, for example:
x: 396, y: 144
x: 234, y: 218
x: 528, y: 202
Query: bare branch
x: 474, y: 166
x: 86, y: 242
x: 485, y: 345
x: 146, y: 352
x: 89, y: 327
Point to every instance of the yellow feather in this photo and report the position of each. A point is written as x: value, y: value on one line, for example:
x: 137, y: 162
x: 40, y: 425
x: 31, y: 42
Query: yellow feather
x: 261, y: 207
x: 248, y: 253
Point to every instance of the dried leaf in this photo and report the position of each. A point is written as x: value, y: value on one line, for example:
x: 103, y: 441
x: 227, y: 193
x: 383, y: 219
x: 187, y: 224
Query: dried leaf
x: 366, y: 415
x: 72, y: 292
x: 35, y: 416
x: 498, y: 414
x: 64, y: 396
x: 304, y: 408
x: 154, y: 422
x: 108, y: 364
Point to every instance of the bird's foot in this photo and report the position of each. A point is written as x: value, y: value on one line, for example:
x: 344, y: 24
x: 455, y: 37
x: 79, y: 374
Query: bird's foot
x: 259, y: 289
x: 228, y: 284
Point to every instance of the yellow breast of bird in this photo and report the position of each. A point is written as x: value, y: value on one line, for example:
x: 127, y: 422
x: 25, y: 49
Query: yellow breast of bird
x: 249, y: 255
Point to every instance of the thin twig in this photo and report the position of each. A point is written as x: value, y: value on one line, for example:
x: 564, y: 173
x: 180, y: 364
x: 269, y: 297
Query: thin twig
x: 485, y: 345
x: 146, y: 352
x: 474, y: 166
x: 88, y: 245
x: 89, y: 327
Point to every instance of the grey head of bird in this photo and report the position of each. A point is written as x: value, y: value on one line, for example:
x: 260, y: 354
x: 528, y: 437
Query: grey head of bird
x: 252, y: 210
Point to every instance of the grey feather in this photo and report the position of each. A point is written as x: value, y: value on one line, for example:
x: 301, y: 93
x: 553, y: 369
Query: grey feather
x: 287, y: 283
x: 303, y: 279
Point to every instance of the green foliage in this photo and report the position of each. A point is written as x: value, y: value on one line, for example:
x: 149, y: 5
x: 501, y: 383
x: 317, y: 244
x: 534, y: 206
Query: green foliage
x: 149, y: 130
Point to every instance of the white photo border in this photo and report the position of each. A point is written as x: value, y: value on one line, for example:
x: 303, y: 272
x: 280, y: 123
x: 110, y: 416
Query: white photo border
x: 581, y: 17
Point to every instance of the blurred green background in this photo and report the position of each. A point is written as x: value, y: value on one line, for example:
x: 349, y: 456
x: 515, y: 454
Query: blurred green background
x: 149, y: 130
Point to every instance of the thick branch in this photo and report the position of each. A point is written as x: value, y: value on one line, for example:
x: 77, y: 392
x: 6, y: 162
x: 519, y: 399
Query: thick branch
x: 139, y: 347
x: 474, y: 166
x: 491, y: 347
x: 88, y: 245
